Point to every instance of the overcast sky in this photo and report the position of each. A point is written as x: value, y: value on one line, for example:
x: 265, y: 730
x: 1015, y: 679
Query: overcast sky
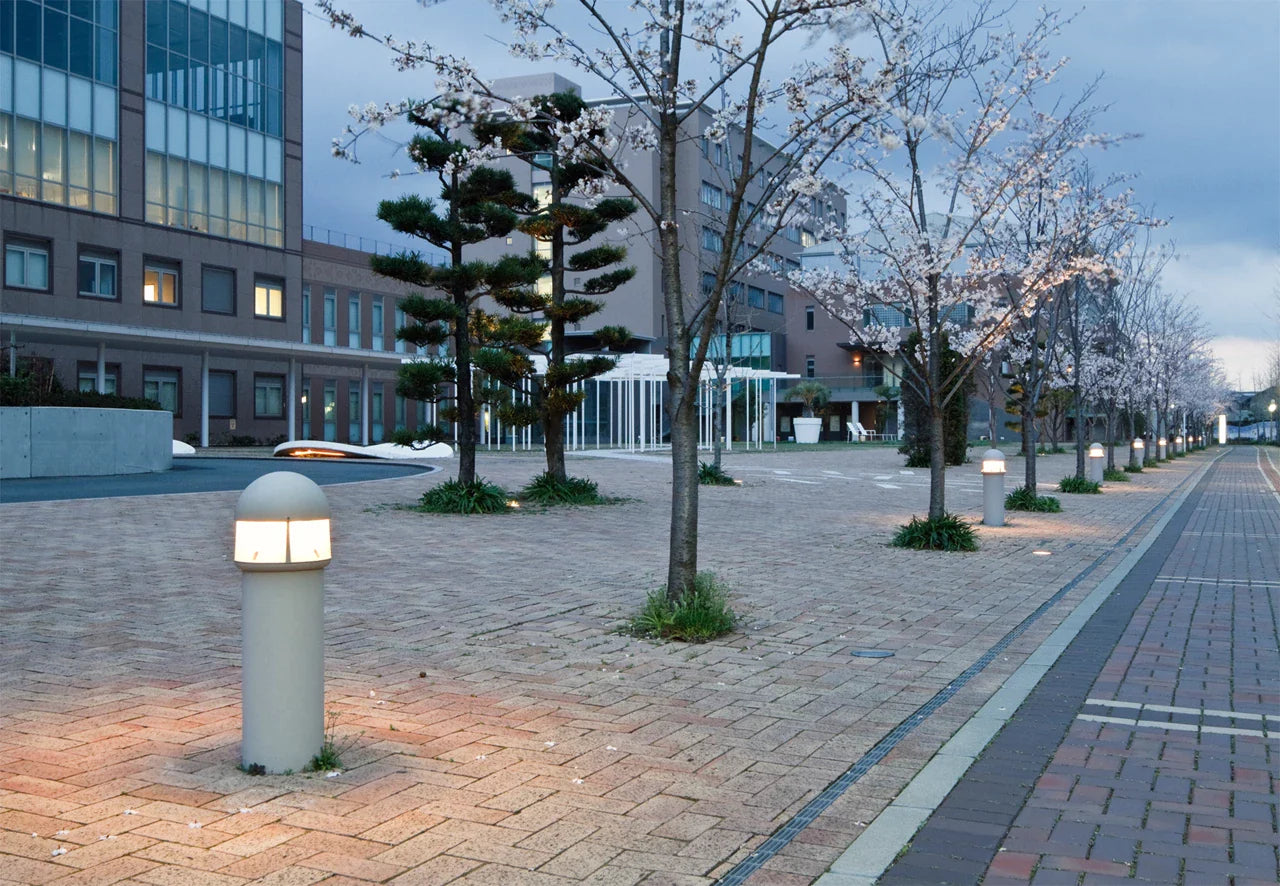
x: 1198, y: 79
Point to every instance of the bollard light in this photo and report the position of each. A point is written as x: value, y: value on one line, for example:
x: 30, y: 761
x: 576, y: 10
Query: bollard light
x: 1097, y: 459
x: 1179, y: 444
x: 1162, y: 449
x: 993, y: 487
x: 282, y: 544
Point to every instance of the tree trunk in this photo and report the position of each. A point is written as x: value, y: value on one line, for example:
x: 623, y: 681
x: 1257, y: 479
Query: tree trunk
x: 937, y: 423
x: 1111, y: 438
x: 717, y: 419
x: 553, y: 440
x: 1079, y: 429
x: 553, y: 422
x: 464, y: 399
x: 1133, y: 434
x: 1029, y: 446
x: 682, y: 565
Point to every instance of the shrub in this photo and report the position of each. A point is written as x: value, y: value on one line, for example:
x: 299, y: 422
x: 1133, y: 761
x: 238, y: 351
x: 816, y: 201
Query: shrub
x: 453, y: 497
x: 946, y: 533
x: 1079, y: 486
x: 713, y: 475
x: 24, y: 390
x: 1025, y: 499
x: 700, y: 614
x: 547, y: 489
x: 1132, y: 469
x: 1115, y: 475
x: 1150, y: 462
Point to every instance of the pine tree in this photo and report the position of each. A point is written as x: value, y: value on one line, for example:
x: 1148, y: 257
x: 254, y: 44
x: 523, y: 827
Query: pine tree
x: 562, y: 225
x: 476, y: 204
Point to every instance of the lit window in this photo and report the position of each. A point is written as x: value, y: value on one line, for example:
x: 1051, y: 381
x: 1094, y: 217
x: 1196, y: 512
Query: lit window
x: 161, y: 385
x: 26, y: 266
x: 160, y: 285
x: 97, y: 276
x: 268, y: 298
x: 268, y: 397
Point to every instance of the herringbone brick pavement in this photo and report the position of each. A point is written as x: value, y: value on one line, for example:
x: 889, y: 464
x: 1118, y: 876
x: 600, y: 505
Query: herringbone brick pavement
x: 496, y: 727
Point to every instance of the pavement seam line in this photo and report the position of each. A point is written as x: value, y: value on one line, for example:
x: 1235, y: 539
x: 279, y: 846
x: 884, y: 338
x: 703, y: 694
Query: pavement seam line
x: 886, y: 837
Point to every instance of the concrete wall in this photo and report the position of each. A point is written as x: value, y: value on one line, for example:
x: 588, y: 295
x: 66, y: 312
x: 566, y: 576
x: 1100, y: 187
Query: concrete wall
x: 51, y: 441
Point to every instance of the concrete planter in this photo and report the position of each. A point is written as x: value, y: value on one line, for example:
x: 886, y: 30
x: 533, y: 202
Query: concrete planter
x: 59, y: 441
x: 807, y: 429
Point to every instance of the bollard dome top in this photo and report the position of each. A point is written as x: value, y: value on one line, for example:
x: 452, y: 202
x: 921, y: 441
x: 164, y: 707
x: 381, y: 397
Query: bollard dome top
x: 282, y: 495
x: 1095, y: 450
x: 993, y: 461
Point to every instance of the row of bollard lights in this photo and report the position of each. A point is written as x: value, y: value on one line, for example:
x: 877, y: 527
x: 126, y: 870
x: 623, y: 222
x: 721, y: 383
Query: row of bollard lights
x: 282, y: 546
x: 993, y: 471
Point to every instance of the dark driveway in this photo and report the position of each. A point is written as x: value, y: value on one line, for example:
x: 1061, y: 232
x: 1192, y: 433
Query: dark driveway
x: 200, y: 475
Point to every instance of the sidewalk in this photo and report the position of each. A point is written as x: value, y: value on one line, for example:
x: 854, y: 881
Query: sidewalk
x: 1149, y: 753
x: 498, y: 730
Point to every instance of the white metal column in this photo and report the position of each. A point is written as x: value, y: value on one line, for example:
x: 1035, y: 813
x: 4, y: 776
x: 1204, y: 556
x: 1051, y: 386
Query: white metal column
x: 204, y: 400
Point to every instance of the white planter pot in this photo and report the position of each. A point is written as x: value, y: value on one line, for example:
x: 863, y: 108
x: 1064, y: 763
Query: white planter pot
x: 807, y: 429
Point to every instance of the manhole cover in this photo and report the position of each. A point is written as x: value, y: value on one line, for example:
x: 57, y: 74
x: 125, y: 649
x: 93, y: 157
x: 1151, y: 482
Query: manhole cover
x: 872, y: 653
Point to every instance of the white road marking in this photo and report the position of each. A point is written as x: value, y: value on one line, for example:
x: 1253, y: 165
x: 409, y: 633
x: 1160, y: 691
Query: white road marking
x: 1173, y: 709
x: 1175, y: 727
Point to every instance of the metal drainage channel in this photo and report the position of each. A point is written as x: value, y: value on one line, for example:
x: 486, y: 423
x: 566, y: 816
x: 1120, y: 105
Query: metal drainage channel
x: 739, y: 873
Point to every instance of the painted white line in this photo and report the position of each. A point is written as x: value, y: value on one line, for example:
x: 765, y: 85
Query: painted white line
x: 1174, y: 709
x: 1205, y: 580
x: 806, y: 482
x: 1174, y: 727
x: 888, y: 486
x: 870, y: 855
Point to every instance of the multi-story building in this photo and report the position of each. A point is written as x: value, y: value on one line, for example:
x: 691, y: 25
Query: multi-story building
x: 151, y: 209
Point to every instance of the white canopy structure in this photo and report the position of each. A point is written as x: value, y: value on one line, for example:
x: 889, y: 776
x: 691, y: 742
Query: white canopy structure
x: 624, y: 409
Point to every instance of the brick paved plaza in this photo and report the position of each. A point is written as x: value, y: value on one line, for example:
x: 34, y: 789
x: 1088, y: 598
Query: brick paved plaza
x: 497, y: 729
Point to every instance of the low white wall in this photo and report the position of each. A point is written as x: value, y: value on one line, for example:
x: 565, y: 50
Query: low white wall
x: 57, y: 441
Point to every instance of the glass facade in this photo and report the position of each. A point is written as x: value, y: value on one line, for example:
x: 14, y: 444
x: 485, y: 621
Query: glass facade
x: 215, y: 117
x: 58, y: 102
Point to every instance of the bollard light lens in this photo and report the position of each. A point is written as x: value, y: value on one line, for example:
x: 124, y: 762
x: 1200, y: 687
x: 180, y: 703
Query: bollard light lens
x: 309, y: 541
x: 993, y: 466
x: 1137, y: 444
x: 1162, y: 442
x: 282, y: 525
x: 260, y: 541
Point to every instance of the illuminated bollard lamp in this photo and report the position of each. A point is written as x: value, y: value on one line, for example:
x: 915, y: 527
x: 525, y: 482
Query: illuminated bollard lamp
x: 1162, y: 449
x: 282, y: 547
x: 993, y: 487
x: 1179, y: 444
x: 1138, y: 446
x: 1097, y: 462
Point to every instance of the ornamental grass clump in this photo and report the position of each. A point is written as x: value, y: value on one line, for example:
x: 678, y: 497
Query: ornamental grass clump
x: 1115, y: 475
x: 713, y: 475
x: 700, y: 614
x: 945, y: 533
x: 1132, y: 469
x: 1025, y: 499
x: 547, y: 489
x: 1079, y: 486
x: 455, y: 497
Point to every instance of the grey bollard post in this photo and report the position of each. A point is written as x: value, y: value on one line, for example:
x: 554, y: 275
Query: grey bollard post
x: 1162, y: 449
x: 1138, y: 446
x: 1097, y: 462
x: 993, y: 487
x: 282, y: 546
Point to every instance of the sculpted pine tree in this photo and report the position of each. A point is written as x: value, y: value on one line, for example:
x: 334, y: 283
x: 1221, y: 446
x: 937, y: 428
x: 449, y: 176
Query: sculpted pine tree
x: 476, y: 203
x: 562, y: 226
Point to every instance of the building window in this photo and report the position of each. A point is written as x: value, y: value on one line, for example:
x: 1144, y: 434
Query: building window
x: 217, y: 291
x: 808, y: 317
x: 330, y: 321
x: 376, y: 324
x: 775, y: 303
x: 97, y: 276
x: 808, y: 238
x: 400, y: 412
x: 268, y: 298
x: 810, y: 366
x: 353, y: 320
x: 222, y: 394
x: 163, y: 386
x: 755, y: 297
x: 26, y: 266
x: 306, y: 315
x: 354, y: 419
x: 376, y: 406
x: 402, y: 346
x: 735, y: 292
x: 330, y: 410
x: 160, y: 284
x: 268, y: 397
x: 708, y: 282
x: 712, y: 196
x: 87, y: 378
x: 712, y: 240
x: 306, y: 409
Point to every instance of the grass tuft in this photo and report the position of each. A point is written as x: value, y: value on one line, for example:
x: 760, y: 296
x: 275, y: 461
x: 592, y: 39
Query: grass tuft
x: 946, y: 533
x: 1079, y: 486
x: 1115, y: 475
x: 453, y: 497
x: 546, y: 489
x: 700, y: 614
x: 1024, y: 499
x: 1132, y: 469
x: 712, y: 475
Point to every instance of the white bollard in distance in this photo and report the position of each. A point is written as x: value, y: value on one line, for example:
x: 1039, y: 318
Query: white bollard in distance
x: 993, y: 487
x: 282, y: 545
x: 1097, y: 462
x: 1162, y: 449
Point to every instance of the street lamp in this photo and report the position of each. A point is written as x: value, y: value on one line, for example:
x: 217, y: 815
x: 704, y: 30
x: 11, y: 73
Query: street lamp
x: 282, y: 545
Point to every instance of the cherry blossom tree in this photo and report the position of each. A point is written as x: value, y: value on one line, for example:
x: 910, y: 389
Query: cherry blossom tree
x: 963, y: 142
x: 762, y: 79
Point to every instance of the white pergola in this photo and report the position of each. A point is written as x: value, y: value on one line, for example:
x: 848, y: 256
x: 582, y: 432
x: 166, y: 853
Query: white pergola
x: 624, y: 408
